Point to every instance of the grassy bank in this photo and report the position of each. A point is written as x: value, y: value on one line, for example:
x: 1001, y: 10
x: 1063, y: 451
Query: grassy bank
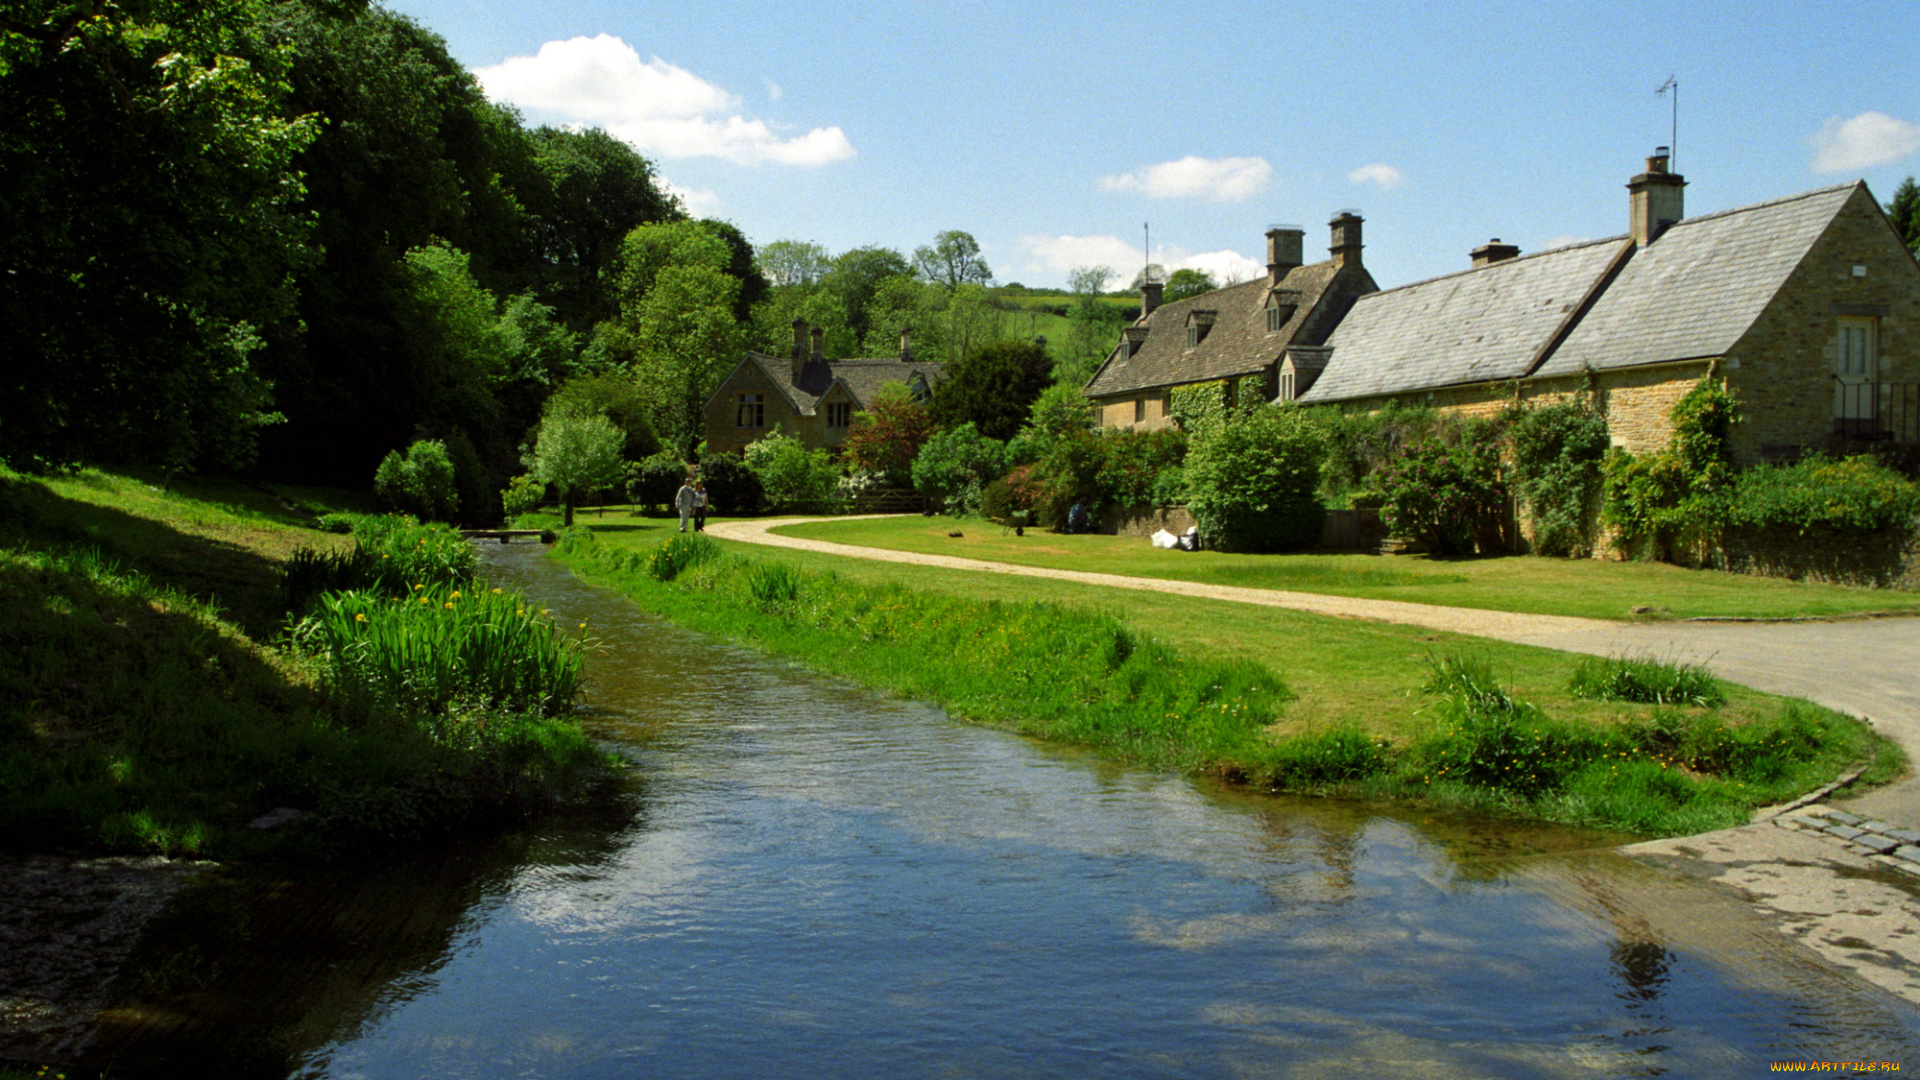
x: 1582, y: 587
x: 151, y: 699
x: 1280, y: 700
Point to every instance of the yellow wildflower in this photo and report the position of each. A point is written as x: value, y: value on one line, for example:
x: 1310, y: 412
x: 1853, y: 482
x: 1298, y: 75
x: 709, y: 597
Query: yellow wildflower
x: 456, y: 594
x: 360, y: 617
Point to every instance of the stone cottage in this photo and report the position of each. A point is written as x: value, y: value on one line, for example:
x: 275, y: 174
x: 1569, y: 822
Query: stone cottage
x: 1809, y: 306
x: 805, y: 394
x: 1270, y: 327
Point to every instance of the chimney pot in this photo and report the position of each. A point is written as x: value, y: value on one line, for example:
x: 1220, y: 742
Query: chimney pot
x: 1284, y: 245
x: 1654, y: 199
x: 1346, y: 238
x: 1150, y: 293
x: 819, y: 336
x: 1493, y: 251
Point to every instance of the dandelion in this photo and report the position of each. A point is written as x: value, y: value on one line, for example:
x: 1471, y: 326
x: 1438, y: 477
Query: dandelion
x: 448, y: 605
x: 360, y: 616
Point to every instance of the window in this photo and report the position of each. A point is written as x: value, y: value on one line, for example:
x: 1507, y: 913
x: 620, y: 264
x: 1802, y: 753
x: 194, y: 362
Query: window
x: 1286, y: 386
x: 753, y: 411
x: 1277, y: 317
x: 1139, y: 409
x: 1855, y: 364
x: 1856, y: 348
x: 839, y: 413
x: 1193, y: 336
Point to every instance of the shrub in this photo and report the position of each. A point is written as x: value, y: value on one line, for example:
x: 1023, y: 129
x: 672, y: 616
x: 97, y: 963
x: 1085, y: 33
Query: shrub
x: 523, y: 496
x: 1251, y: 481
x: 793, y: 477
x: 732, y: 488
x: 1678, y: 489
x: 1444, y: 491
x: 1131, y: 462
x: 954, y: 468
x: 888, y: 436
x: 1646, y: 680
x: 653, y: 480
x: 1558, y: 454
x: 420, y: 483
x: 1360, y: 444
x: 1856, y: 494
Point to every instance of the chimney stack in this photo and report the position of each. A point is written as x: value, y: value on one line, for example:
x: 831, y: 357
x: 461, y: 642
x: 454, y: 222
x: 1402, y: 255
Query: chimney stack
x: 799, y: 349
x: 906, y: 349
x: 1284, y: 243
x: 1654, y: 199
x: 1494, y: 251
x: 819, y: 336
x: 1150, y: 293
x: 1346, y: 239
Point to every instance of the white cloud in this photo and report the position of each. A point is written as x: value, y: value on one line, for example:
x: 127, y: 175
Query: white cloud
x: 1861, y: 142
x: 655, y: 106
x: 1226, y: 267
x: 1060, y: 254
x: 1377, y: 174
x: 774, y: 93
x: 1234, y: 179
x: 698, y: 201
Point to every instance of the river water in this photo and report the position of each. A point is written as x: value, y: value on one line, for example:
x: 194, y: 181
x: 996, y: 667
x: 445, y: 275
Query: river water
x: 800, y: 879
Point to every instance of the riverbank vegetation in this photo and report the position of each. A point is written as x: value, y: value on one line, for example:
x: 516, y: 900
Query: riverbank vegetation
x: 1283, y: 701
x: 174, y: 668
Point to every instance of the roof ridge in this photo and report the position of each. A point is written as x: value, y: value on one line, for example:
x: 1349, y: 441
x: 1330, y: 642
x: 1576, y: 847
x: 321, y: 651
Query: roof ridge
x: 1730, y: 211
x: 1497, y: 265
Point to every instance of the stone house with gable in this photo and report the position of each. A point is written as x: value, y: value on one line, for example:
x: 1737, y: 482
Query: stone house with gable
x: 1270, y: 328
x: 1808, y: 306
x: 805, y: 394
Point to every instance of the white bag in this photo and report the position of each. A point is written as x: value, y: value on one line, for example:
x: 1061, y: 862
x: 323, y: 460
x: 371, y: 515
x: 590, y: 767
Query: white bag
x: 1164, y: 539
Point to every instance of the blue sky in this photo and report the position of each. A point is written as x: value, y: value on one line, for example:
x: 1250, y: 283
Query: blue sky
x: 1053, y: 132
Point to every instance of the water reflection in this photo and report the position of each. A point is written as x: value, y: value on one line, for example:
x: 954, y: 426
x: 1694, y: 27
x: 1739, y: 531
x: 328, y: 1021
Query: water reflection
x: 809, y: 881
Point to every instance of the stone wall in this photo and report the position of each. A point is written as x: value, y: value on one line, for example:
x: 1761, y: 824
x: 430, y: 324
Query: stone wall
x: 1886, y: 559
x: 1144, y: 520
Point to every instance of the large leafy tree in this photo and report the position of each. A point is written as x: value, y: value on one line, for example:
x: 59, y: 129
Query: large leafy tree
x: 993, y: 387
x: 953, y: 260
x: 578, y: 453
x: 677, y: 327
x: 1186, y: 283
x: 149, y: 232
x: 795, y: 263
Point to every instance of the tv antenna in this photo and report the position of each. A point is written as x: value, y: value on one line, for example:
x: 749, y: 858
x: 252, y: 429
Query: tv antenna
x: 1673, y: 137
x: 1146, y: 269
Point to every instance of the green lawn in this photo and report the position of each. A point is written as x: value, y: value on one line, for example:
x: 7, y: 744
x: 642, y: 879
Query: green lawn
x: 1584, y: 587
x: 1343, y: 670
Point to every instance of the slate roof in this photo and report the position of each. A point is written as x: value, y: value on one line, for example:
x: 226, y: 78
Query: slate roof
x: 1694, y: 291
x: 1691, y: 293
x: 1239, y: 342
x: 862, y: 377
x: 1485, y: 324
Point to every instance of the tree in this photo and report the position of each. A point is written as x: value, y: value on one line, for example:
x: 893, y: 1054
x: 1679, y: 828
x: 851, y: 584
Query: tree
x: 1094, y: 325
x: 577, y: 453
x: 1187, y: 283
x: 150, y: 234
x: 993, y: 388
x: 953, y: 260
x: 1153, y: 271
x: 886, y: 436
x: 420, y: 482
x: 1904, y: 211
x: 595, y: 191
x: 1090, y: 281
x: 856, y: 277
x: 677, y: 323
x: 793, y: 263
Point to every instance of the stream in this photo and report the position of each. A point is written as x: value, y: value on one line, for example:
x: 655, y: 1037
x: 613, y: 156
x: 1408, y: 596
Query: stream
x: 798, y: 878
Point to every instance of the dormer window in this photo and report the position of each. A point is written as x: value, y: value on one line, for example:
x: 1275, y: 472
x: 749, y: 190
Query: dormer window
x: 1198, y: 323
x: 1281, y: 304
x: 839, y: 414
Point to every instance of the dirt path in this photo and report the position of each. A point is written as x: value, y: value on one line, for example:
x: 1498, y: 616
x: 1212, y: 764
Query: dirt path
x: 1854, y: 907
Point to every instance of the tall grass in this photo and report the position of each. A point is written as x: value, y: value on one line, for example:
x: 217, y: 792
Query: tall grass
x: 391, y: 554
x: 1646, y: 680
x: 437, y: 646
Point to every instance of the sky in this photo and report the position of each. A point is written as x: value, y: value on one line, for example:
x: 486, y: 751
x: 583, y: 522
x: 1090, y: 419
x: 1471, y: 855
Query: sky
x: 1056, y: 133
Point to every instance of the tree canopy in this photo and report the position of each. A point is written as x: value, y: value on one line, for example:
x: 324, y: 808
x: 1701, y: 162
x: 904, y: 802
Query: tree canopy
x: 953, y: 260
x: 993, y: 387
x: 1904, y: 211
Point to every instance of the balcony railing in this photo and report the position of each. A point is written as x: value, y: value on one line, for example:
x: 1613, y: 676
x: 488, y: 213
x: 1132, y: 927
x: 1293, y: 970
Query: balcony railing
x: 1877, y: 413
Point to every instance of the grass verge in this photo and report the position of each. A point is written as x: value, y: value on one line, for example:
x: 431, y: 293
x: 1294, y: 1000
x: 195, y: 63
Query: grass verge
x: 1052, y: 667
x: 1582, y: 587
x: 142, y: 711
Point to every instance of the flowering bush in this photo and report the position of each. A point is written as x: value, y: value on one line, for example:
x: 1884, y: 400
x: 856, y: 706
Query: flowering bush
x: 954, y: 468
x: 1445, y: 493
x: 792, y: 476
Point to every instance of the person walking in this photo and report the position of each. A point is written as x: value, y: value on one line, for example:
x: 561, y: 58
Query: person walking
x: 699, y: 506
x: 683, y: 501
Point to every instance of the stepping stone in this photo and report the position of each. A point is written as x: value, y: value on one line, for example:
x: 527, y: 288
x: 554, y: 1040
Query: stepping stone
x: 1844, y: 832
x: 1873, y: 826
x: 1843, y: 817
x: 1905, y: 836
x: 1877, y: 843
x: 1908, y: 852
